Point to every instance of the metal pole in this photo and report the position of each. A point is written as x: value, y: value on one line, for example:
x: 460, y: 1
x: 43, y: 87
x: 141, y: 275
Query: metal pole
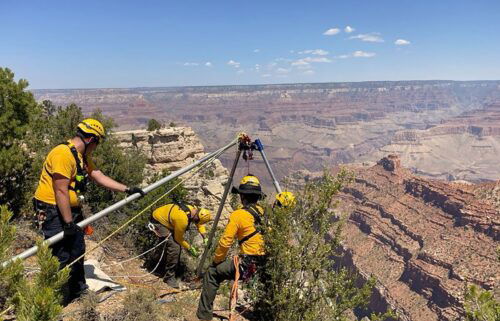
x: 59, y: 236
x: 260, y: 148
x: 219, y: 211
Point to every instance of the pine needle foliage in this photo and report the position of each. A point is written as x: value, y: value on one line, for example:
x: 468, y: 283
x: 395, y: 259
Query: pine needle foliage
x: 481, y: 305
x: 16, y: 107
x: 12, y: 274
x: 34, y: 299
x: 40, y: 299
x: 301, y: 280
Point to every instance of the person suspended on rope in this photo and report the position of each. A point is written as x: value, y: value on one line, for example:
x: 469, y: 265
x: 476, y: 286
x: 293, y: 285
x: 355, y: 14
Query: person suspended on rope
x: 245, y: 225
x: 57, y: 199
x: 171, y: 221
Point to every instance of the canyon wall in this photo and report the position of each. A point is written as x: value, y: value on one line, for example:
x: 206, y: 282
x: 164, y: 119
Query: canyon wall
x: 424, y: 240
x: 171, y: 149
x: 304, y: 126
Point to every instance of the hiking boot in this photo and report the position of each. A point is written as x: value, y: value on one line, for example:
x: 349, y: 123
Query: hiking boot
x: 172, y: 282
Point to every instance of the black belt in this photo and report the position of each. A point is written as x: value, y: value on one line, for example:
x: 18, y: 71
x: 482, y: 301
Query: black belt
x: 40, y: 205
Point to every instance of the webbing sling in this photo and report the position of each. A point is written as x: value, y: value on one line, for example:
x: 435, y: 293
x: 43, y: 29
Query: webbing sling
x: 257, y: 223
x: 183, y: 207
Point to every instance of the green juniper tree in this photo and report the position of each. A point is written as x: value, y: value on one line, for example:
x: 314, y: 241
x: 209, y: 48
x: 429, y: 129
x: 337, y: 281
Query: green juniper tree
x: 37, y: 298
x: 302, y: 280
x: 481, y: 305
x: 17, y: 106
x: 153, y: 125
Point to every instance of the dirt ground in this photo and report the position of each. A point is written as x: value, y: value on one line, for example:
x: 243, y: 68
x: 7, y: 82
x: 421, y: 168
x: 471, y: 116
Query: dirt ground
x: 177, y: 304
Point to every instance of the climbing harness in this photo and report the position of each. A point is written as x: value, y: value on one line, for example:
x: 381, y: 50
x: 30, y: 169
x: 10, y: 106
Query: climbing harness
x: 81, y: 178
x: 257, y: 224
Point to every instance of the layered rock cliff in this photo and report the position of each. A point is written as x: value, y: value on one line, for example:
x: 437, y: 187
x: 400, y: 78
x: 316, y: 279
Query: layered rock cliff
x: 424, y: 240
x: 307, y: 126
x: 174, y: 148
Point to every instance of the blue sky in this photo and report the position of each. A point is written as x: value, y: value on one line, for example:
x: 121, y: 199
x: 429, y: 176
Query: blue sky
x: 107, y: 43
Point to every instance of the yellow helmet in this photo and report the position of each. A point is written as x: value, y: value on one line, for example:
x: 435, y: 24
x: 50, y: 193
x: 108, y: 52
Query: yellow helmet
x: 285, y: 199
x: 248, y: 185
x: 204, y: 215
x: 92, y: 127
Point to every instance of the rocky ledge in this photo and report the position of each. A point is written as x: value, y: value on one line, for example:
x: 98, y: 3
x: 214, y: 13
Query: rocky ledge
x: 424, y: 240
x: 174, y: 148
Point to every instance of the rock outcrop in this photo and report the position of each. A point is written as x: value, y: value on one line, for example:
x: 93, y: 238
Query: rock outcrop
x: 424, y: 240
x: 465, y: 147
x: 171, y: 149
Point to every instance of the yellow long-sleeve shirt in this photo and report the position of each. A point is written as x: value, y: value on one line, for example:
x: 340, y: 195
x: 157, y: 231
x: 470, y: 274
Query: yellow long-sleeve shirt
x: 176, y: 220
x: 241, y: 223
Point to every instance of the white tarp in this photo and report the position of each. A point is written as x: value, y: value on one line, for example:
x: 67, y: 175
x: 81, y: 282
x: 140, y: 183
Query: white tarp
x: 97, y: 280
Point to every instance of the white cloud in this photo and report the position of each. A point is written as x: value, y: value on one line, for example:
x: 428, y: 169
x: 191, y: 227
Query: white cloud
x: 257, y: 67
x: 401, y: 42
x: 349, y: 29
x: 240, y: 71
x: 331, y: 32
x: 368, y: 37
x: 256, y: 50
x: 318, y: 52
x: 363, y: 54
x: 282, y: 71
x: 233, y: 63
x: 300, y: 62
x: 266, y: 75
x: 191, y: 64
x: 307, y: 60
x: 309, y: 72
x: 208, y: 64
x: 343, y: 56
x: 292, y: 51
x: 317, y: 59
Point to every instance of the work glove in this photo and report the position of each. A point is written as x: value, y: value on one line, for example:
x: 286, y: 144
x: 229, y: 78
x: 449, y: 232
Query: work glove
x: 193, y: 252
x: 134, y: 189
x: 70, y: 229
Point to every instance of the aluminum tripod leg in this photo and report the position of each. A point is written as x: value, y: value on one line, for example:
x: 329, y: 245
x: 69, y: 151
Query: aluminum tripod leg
x: 260, y: 148
x: 219, y: 212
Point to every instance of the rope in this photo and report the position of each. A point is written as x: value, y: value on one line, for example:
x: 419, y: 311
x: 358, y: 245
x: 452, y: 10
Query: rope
x: 149, y: 273
x: 144, y: 210
x: 234, y: 289
x: 137, y: 256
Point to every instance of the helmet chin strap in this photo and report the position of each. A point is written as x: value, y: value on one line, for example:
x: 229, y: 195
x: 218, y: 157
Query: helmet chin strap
x: 85, y: 144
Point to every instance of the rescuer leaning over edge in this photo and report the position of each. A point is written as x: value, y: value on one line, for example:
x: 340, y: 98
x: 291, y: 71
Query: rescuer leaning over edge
x: 62, y: 182
x: 171, y: 221
x: 245, y: 225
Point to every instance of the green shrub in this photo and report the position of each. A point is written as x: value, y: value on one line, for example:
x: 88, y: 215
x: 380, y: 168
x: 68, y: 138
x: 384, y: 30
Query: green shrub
x: 301, y: 280
x: 12, y: 274
x: 17, y: 106
x: 153, y: 125
x: 139, y: 305
x: 481, y: 305
x: 37, y: 298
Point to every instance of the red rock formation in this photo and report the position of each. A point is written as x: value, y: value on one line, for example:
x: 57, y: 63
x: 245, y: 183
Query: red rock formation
x: 423, y: 240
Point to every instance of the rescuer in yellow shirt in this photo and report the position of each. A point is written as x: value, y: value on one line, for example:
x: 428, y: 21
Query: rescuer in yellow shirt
x: 245, y: 226
x: 172, y: 221
x: 62, y: 183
